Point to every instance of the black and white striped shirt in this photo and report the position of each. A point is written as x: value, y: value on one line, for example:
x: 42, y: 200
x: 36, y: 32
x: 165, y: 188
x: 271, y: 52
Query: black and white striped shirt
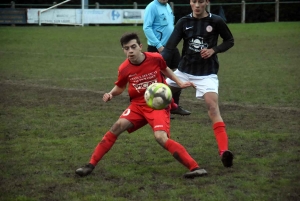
x: 198, y: 34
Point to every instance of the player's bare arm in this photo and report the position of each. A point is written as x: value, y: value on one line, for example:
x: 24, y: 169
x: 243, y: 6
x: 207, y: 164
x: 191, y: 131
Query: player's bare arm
x: 114, y: 92
x: 169, y: 73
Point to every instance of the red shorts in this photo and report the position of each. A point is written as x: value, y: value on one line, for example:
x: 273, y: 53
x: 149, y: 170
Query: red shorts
x: 140, y: 115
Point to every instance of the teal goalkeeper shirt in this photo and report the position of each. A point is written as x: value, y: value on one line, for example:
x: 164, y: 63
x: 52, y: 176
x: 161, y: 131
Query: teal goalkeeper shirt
x: 158, y: 23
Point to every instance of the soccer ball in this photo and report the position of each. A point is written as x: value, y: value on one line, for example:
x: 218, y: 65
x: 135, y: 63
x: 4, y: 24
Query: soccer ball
x: 158, y: 96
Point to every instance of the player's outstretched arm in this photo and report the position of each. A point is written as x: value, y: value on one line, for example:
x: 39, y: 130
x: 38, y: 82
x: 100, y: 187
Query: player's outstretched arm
x: 169, y: 73
x: 114, y: 92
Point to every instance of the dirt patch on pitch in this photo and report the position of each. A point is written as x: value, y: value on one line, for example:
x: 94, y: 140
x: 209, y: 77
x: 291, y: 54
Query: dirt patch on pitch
x: 243, y: 117
x: 248, y: 117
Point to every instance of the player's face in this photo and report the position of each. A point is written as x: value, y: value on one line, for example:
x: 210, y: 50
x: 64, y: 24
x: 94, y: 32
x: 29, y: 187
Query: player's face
x: 163, y: 1
x: 198, y: 7
x: 133, y: 51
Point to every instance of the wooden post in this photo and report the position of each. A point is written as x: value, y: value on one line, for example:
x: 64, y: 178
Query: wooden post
x: 243, y: 11
x: 172, y: 6
x: 13, y: 5
x: 276, y: 10
x: 97, y: 7
x: 135, y: 7
x: 54, y: 3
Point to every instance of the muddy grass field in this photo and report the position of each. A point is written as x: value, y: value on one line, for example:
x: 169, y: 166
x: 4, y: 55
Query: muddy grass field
x: 52, y: 116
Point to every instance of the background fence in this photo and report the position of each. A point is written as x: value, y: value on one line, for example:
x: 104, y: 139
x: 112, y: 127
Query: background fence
x: 242, y: 12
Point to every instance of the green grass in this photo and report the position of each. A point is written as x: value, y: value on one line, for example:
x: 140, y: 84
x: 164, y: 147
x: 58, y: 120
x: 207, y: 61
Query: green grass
x: 52, y: 116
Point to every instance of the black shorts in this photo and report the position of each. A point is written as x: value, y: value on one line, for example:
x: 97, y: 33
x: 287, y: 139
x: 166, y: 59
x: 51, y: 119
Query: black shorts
x: 173, y: 62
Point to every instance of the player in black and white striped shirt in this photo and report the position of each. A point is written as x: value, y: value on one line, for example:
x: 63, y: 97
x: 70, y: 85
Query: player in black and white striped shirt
x: 199, y: 62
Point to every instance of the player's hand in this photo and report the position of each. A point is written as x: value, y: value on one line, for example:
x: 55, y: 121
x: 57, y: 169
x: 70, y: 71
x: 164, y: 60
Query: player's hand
x: 206, y: 53
x: 186, y: 84
x: 160, y: 49
x: 107, y: 97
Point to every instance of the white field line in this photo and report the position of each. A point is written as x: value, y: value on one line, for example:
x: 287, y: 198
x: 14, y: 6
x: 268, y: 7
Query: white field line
x: 278, y: 108
x: 10, y: 82
x: 21, y: 83
x: 65, y: 55
x: 69, y: 79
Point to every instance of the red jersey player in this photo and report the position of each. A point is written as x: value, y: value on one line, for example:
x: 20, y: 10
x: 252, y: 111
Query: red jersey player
x: 138, y: 71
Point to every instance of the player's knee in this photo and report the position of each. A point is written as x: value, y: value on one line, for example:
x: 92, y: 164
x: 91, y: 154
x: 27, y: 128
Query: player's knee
x: 120, y: 126
x: 161, y: 137
x: 213, y: 111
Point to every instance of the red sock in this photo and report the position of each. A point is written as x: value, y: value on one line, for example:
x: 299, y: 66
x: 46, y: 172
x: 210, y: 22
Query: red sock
x: 173, y: 105
x: 103, y: 147
x: 221, y: 136
x: 180, y: 154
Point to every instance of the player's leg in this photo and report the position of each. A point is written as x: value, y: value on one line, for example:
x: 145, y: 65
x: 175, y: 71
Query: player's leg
x: 104, y: 145
x: 176, y: 90
x: 180, y: 154
x: 162, y: 134
x: 127, y: 121
x: 173, y: 64
x: 207, y: 89
x: 151, y: 49
x: 211, y: 100
x: 176, y: 93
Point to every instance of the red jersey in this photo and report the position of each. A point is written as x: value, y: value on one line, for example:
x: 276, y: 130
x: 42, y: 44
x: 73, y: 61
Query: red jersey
x: 140, y: 76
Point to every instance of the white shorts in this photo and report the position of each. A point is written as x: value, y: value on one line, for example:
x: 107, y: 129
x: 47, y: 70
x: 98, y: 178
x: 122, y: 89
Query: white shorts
x: 204, y: 84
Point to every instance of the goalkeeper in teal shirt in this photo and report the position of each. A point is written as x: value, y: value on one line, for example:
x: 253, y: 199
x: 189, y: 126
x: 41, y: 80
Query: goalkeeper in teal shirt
x: 158, y: 27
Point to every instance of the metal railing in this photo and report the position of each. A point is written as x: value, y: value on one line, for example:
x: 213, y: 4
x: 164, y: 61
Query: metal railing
x: 135, y: 5
x: 45, y: 10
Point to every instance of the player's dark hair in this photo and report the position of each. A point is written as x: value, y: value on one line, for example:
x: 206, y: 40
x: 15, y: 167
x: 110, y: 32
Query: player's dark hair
x: 128, y: 37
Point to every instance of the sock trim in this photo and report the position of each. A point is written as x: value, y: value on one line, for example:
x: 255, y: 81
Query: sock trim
x: 218, y: 124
